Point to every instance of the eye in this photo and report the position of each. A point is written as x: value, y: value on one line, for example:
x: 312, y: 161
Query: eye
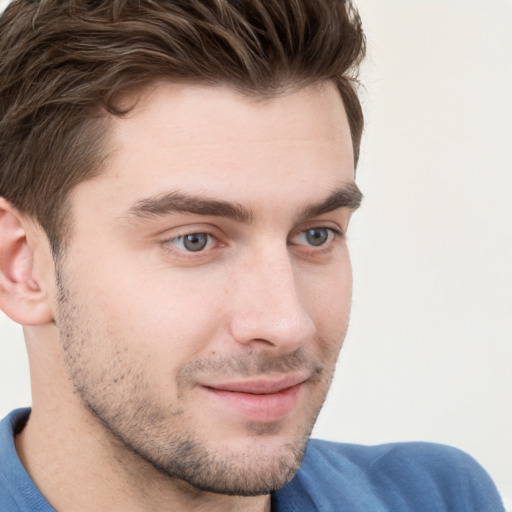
x: 315, y: 237
x: 192, y: 242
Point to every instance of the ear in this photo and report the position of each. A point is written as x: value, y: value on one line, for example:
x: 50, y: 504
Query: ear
x: 23, y: 294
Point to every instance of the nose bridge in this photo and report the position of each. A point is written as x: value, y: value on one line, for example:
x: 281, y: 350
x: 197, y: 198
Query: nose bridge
x: 267, y: 305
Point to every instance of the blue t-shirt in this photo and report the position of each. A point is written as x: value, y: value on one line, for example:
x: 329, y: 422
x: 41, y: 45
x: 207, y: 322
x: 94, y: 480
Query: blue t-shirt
x: 334, y: 477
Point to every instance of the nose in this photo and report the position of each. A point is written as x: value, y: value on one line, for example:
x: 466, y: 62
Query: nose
x: 267, y: 308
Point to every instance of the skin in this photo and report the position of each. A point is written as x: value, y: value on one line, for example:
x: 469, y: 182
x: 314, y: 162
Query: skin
x: 170, y: 379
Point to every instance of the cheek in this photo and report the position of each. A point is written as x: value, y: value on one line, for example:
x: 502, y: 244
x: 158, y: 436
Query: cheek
x: 328, y: 301
x: 327, y: 295
x: 165, y: 317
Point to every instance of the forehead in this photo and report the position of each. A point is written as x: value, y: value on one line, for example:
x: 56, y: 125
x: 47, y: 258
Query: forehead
x: 194, y: 114
x: 215, y: 141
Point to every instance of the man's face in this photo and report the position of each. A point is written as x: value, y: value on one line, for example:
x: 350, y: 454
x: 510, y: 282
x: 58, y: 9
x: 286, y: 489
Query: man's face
x: 205, y: 291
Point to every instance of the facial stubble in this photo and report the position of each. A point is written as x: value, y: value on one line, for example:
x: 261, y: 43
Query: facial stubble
x: 116, y: 392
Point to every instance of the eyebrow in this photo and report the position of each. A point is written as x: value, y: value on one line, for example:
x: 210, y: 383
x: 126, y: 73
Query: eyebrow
x: 176, y: 202
x: 348, y: 196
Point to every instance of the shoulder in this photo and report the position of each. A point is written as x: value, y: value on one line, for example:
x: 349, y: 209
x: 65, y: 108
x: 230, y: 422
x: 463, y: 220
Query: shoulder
x: 18, y: 492
x: 391, y: 477
x: 399, y: 459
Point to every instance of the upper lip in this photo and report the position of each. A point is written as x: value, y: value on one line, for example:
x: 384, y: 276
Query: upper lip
x: 262, y: 385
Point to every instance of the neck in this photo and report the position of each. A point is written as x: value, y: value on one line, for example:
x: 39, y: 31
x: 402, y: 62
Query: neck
x: 76, y: 470
x: 78, y: 465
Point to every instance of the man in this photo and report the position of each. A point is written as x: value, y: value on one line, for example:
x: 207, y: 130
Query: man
x: 177, y: 180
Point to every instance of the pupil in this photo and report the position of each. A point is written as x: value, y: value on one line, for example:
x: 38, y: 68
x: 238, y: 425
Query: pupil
x: 195, y: 242
x: 317, y: 236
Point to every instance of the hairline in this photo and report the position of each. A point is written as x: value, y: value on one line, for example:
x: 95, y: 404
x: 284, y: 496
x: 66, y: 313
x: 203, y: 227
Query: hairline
x: 107, y: 150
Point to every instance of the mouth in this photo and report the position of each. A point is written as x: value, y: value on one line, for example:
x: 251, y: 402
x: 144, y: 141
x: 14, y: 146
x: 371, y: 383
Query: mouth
x: 261, y: 400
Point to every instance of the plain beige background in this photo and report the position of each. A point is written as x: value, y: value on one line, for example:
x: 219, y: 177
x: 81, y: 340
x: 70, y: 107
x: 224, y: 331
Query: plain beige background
x: 429, y: 352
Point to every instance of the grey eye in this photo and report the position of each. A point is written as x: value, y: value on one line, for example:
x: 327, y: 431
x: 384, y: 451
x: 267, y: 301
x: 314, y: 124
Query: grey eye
x: 195, y: 241
x: 317, y: 236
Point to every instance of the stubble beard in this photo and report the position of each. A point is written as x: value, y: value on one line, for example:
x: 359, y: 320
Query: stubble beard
x: 118, y: 394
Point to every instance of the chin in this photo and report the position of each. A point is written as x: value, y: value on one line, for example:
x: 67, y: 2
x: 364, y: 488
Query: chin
x: 247, y: 474
x: 258, y: 467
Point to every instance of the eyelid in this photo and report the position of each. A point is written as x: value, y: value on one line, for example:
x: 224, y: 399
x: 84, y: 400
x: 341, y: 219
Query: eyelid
x: 180, y: 238
x: 189, y: 229
x: 334, y: 231
x: 167, y: 238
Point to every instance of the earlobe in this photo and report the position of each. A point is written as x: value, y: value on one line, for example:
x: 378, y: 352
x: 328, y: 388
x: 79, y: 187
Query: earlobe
x: 22, y: 296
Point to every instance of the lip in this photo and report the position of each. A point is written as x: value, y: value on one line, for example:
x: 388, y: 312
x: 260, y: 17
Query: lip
x: 261, y: 400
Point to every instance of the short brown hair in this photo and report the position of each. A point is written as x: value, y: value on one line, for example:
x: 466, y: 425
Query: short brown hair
x: 64, y: 63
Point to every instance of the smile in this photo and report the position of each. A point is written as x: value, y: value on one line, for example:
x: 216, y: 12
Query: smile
x: 259, y: 400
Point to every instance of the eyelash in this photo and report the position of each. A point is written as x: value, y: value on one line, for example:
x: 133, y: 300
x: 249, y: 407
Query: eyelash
x: 196, y: 234
x: 332, y: 235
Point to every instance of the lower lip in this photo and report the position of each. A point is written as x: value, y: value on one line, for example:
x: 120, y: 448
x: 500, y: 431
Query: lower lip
x: 261, y: 408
